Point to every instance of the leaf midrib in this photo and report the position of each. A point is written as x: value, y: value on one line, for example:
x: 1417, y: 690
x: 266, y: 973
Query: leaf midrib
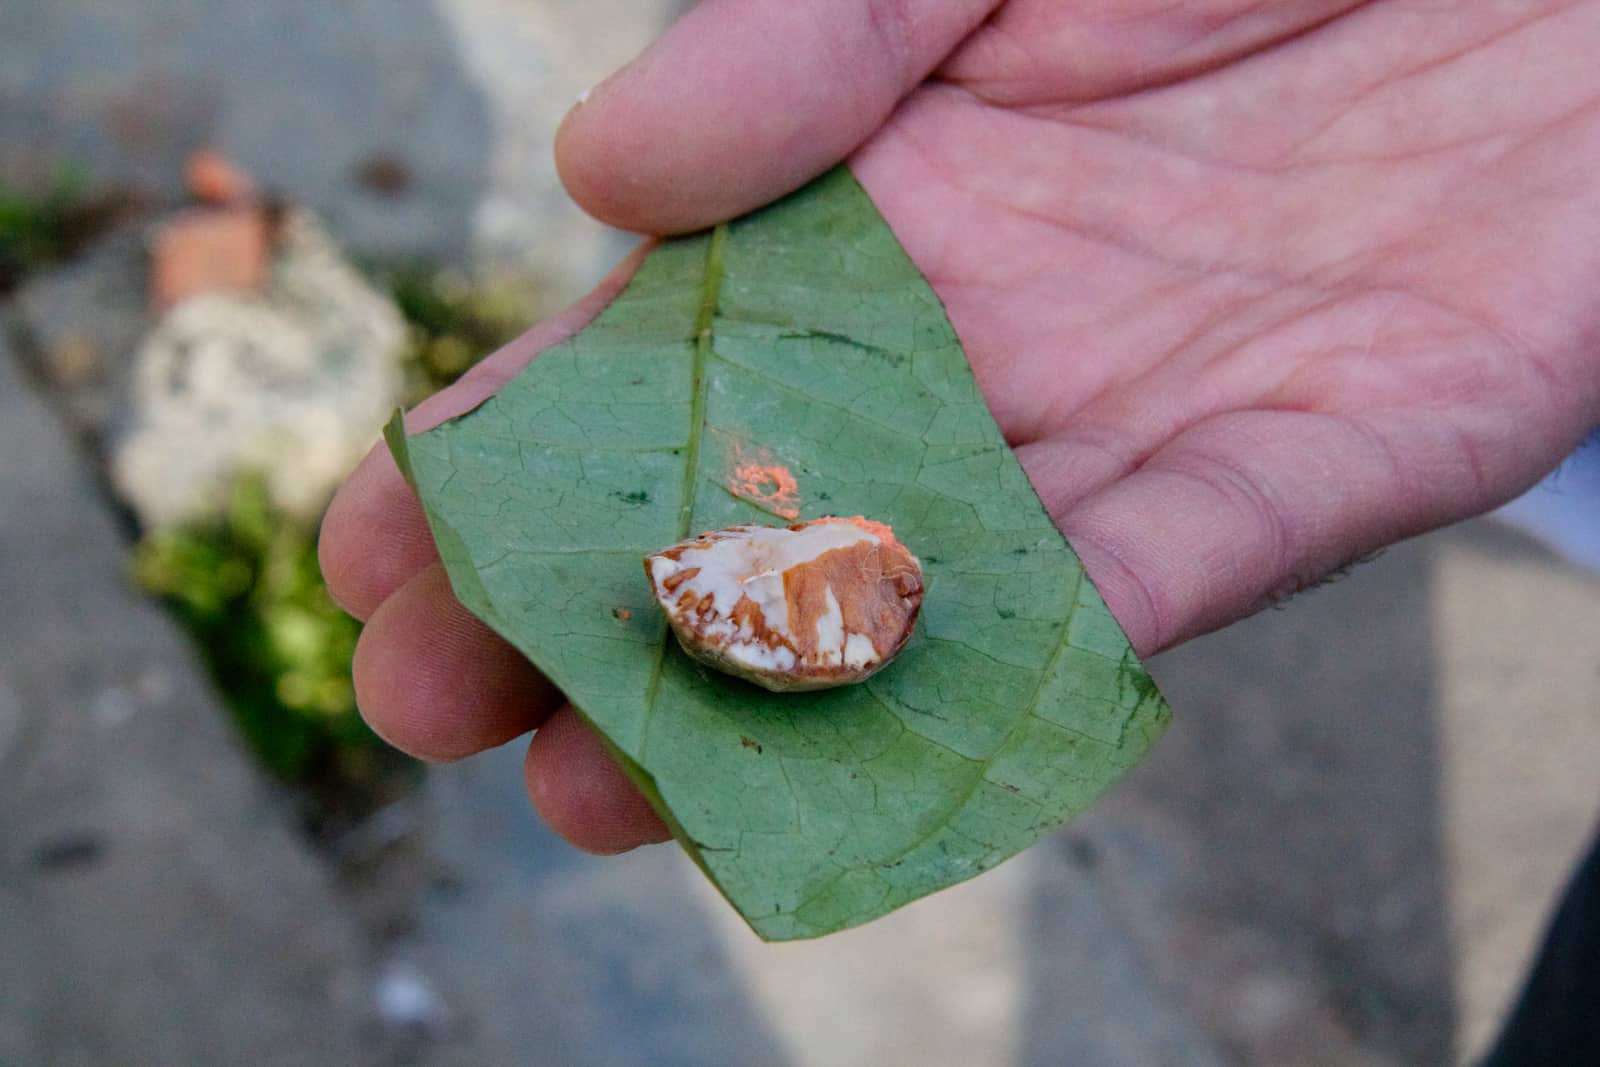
x: 710, y: 296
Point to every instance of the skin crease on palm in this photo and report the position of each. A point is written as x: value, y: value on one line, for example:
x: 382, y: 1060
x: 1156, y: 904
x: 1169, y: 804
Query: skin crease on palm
x: 1253, y: 289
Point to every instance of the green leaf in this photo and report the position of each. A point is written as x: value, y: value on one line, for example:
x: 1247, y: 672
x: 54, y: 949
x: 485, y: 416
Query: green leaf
x: 800, y: 336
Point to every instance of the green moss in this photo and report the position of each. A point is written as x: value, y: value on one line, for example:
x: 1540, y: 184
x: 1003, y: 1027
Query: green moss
x: 248, y: 589
x: 45, y: 225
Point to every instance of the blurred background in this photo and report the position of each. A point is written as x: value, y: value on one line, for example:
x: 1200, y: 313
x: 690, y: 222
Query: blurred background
x: 232, y: 237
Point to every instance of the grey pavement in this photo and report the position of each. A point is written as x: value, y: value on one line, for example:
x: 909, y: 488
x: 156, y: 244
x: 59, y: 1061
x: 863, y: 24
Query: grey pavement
x: 156, y: 905
x: 542, y: 954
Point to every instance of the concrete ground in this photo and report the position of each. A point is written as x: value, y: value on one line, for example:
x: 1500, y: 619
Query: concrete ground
x: 156, y: 906
x: 1341, y: 853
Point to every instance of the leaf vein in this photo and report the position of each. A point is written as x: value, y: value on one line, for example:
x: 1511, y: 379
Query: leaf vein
x: 710, y: 295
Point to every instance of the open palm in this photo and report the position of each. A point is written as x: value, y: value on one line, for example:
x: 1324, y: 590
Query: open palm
x: 1253, y: 288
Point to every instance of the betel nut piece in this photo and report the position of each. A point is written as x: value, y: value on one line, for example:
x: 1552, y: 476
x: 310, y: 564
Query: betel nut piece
x: 809, y: 606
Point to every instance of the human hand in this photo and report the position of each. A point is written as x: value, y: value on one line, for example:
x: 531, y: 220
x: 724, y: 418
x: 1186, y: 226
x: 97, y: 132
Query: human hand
x: 1253, y: 290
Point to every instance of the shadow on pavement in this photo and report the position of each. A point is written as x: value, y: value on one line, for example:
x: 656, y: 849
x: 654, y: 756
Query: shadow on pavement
x: 557, y: 957
x: 1268, y: 887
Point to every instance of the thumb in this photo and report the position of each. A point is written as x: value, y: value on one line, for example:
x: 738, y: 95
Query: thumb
x: 742, y: 101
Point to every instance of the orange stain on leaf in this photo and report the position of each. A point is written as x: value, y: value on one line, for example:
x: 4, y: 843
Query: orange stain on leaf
x: 763, y: 481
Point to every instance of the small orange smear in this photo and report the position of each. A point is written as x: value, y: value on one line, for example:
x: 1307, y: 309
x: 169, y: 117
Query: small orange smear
x: 767, y: 484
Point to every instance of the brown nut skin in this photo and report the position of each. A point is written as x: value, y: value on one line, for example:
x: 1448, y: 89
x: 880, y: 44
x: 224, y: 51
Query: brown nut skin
x: 790, y: 608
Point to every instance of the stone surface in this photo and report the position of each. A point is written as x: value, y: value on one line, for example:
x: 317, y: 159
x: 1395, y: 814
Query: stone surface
x: 1518, y: 648
x: 1298, y: 796
x: 79, y: 324
x: 941, y: 978
x: 155, y: 905
x: 327, y: 105
x: 292, y: 382
x: 955, y: 978
x: 538, y: 953
x: 1374, y: 796
x: 531, y: 61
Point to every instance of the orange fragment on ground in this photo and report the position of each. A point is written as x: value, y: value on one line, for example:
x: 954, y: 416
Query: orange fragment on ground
x: 212, y: 178
x: 208, y: 250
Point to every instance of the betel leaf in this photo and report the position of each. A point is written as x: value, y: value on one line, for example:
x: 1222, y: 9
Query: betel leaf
x: 792, y: 363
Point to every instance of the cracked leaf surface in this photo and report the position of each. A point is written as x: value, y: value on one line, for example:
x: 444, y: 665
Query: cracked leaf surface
x: 804, y: 334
